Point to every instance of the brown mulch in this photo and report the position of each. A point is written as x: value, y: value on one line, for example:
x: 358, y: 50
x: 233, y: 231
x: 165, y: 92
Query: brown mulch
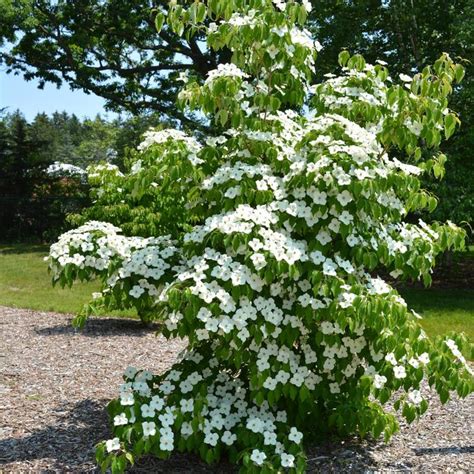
x: 457, y: 275
x: 55, y: 383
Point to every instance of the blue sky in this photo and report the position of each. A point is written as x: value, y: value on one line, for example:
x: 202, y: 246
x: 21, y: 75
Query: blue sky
x: 16, y: 93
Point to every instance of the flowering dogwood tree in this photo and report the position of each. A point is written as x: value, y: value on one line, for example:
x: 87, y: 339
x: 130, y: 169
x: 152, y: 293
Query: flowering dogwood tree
x: 300, y: 201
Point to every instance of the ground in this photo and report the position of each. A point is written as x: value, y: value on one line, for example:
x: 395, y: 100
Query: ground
x: 55, y: 383
x: 24, y: 283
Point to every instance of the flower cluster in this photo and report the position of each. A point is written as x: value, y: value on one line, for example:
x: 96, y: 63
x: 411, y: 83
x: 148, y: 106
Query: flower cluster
x: 152, y: 137
x: 135, y: 265
x: 65, y: 170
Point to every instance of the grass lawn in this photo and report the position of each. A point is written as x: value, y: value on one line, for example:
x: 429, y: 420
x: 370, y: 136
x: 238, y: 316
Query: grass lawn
x: 443, y: 310
x: 25, y: 283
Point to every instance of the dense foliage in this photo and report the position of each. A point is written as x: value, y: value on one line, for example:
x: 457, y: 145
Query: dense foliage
x: 145, y: 198
x: 88, y: 46
x: 299, y: 201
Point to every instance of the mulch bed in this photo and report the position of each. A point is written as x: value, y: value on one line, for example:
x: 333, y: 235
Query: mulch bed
x: 458, y: 275
x: 55, y: 383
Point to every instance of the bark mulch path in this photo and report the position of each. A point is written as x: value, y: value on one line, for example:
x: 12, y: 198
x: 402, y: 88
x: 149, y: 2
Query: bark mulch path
x: 55, y: 383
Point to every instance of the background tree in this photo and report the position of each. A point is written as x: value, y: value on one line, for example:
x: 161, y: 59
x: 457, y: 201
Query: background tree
x: 408, y: 35
x: 108, y: 48
x: 19, y: 172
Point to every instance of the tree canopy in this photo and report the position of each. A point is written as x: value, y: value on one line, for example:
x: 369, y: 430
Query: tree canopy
x: 111, y: 48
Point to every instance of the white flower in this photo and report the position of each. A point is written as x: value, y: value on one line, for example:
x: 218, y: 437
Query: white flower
x: 405, y: 78
x: 157, y: 403
x: 424, y: 358
x: 317, y: 257
x: 280, y: 4
x: 255, y: 424
x: 147, y: 411
x: 186, y: 429
x: 399, y: 372
x: 228, y: 438
x: 295, y: 435
x: 166, y: 444
x: 379, y: 381
x: 130, y: 372
x: 270, y: 383
x: 270, y: 438
x: 112, y: 444
x: 136, y: 291
x: 307, y: 5
x: 272, y: 51
x: 225, y: 70
x: 211, y: 438
x: 258, y: 457
x: 390, y: 357
x: 149, y: 428
x: 187, y: 405
x: 127, y: 398
x: 415, y: 397
x: 258, y: 260
x: 323, y: 237
x: 120, y: 419
x: 344, y: 198
x: 287, y: 460
x: 327, y: 327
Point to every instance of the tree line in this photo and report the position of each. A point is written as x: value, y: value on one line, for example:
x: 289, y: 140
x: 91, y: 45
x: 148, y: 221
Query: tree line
x: 34, y: 201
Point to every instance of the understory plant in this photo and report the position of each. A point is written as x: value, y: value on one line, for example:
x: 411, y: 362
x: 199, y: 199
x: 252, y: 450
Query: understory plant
x: 301, y: 202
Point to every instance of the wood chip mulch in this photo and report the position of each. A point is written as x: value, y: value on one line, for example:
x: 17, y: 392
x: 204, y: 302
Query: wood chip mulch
x: 55, y: 383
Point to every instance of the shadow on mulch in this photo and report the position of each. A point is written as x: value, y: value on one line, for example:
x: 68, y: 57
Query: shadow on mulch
x: 69, y: 443
x: 353, y: 454
x: 444, y: 451
x: 180, y: 463
x: 69, y: 446
x: 102, y: 327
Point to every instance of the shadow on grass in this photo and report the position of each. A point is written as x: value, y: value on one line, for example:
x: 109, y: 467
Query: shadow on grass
x: 23, y: 248
x: 98, y: 327
x: 429, y: 299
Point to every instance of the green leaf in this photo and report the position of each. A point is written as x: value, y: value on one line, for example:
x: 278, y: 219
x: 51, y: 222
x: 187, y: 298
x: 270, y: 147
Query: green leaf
x: 343, y: 57
x: 159, y: 21
x: 459, y: 72
x: 449, y: 125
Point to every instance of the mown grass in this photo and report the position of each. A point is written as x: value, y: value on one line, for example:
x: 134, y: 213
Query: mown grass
x: 25, y: 283
x: 443, y: 310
